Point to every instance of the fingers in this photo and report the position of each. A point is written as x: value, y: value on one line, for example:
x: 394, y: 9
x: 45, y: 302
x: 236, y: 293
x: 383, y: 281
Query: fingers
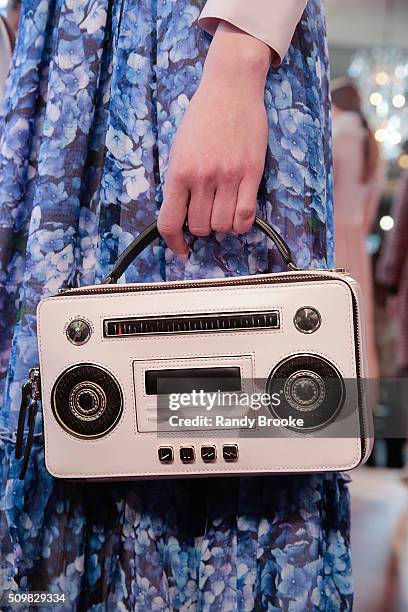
x: 223, y: 210
x: 245, y: 210
x: 173, y: 214
x: 200, y: 207
x: 214, y: 201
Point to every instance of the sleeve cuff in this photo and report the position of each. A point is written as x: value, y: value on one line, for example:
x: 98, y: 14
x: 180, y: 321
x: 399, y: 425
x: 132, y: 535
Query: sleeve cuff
x: 272, y: 22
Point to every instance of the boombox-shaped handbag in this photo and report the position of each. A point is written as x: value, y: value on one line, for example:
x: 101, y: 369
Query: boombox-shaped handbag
x: 253, y: 375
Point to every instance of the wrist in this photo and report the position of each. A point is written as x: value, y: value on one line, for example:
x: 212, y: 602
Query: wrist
x: 237, y: 56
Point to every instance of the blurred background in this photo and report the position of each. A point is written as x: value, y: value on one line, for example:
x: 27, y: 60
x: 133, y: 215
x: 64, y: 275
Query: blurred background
x: 369, y: 44
x: 369, y: 62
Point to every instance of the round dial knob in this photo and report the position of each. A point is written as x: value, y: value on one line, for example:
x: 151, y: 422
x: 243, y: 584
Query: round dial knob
x: 307, y: 320
x: 78, y: 331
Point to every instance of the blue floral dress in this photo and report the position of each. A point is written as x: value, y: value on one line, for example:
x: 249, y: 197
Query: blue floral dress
x: 96, y: 92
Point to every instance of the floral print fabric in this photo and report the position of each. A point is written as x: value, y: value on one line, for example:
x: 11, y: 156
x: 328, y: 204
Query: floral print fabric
x: 96, y: 92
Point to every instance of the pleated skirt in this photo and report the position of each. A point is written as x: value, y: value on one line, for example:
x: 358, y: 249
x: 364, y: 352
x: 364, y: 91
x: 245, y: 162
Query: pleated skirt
x: 95, y: 95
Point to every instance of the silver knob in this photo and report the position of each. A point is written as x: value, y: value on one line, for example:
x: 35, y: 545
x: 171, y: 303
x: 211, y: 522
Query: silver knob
x: 307, y: 320
x: 78, y: 332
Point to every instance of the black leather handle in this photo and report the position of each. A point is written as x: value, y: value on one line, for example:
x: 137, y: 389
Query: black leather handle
x: 150, y: 233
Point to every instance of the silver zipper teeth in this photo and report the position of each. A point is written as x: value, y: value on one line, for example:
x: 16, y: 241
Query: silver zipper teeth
x: 233, y: 281
x: 191, y: 285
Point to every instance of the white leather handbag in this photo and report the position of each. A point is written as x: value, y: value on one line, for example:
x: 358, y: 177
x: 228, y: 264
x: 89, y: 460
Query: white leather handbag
x: 253, y: 375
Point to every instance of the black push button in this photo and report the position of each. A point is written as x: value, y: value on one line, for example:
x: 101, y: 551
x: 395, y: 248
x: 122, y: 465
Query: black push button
x: 208, y: 454
x: 166, y: 454
x: 187, y: 454
x: 230, y: 452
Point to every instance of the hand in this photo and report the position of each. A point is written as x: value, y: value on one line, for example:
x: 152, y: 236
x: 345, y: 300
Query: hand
x: 218, y: 155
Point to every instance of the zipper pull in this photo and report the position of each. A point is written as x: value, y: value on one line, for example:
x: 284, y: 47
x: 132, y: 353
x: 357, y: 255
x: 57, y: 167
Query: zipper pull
x: 336, y: 270
x: 31, y: 394
x: 35, y: 379
x: 25, y: 401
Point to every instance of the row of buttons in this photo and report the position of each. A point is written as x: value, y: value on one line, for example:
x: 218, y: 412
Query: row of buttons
x: 208, y: 454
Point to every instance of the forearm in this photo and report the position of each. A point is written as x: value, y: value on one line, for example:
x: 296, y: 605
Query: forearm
x: 218, y: 156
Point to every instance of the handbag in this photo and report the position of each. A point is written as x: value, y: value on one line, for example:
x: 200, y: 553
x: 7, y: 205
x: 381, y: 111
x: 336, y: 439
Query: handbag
x: 253, y: 375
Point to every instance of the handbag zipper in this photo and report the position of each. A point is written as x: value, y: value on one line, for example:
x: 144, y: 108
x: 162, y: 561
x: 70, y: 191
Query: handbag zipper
x: 258, y: 280
x: 31, y: 395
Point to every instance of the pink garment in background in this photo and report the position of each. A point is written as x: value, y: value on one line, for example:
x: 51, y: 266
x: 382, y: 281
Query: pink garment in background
x: 393, y: 267
x: 355, y: 207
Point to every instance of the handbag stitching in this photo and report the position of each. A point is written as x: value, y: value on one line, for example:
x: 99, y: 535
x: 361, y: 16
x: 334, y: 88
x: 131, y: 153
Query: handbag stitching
x: 257, y: 470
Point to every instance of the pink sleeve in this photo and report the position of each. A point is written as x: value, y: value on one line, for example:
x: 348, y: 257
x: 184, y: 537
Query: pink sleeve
x: 271, y: 21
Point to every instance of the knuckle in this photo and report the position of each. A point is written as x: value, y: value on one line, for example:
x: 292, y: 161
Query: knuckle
x: 166, y: 228
x: 181, y: 176
x: 230, y: 172
x: 206, y: 176
x: 235, y: 171
x: 246, y: 213
x: 252, y: 168
x: 178, y: 174
x: 244, y: 218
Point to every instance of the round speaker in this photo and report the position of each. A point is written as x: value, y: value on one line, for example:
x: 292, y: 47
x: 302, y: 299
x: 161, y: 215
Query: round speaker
x: 310, y: 388
x: 87, y: 401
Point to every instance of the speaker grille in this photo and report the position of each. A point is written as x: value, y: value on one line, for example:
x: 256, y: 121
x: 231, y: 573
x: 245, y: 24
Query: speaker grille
x: 87, y: 401
x: 310, y: 388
